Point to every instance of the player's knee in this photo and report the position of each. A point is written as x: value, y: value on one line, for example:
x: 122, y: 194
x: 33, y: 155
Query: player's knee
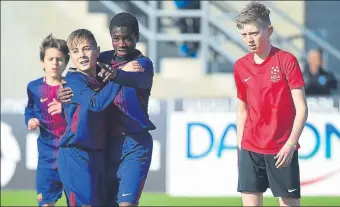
x: 285, y: 201
x: 127, y: 204
x: 252, y: 199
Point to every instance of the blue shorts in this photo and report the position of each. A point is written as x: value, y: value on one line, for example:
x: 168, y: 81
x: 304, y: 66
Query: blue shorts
x: 83, y: 174
x: 48, y: 185
x: 129, y: 159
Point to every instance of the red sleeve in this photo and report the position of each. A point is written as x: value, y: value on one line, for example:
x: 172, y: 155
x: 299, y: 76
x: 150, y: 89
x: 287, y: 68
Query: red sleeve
x: 293, y: 72
x: 240, y: 87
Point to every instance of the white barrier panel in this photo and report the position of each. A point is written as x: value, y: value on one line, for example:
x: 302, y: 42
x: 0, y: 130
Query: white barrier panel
x: 202, y: 155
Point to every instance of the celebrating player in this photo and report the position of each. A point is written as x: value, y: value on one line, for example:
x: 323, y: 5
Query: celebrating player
x: 271, y: 113
x: 130, y: 145
x: 82, y: 148
x: 131, y: 142
x: 43, y: 112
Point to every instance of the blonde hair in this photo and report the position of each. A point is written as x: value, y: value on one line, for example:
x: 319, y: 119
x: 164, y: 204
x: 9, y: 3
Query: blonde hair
x: 80, y: 35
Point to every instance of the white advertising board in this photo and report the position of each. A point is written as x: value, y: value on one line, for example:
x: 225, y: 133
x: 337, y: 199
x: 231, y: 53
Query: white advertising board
x: 202, y: 155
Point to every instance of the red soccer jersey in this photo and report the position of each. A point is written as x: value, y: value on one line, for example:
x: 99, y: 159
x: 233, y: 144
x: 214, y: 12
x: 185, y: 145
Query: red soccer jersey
x: 266, y: 89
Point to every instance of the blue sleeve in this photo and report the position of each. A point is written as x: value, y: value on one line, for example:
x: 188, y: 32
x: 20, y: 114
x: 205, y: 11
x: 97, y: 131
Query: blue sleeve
x: 29, y: 111
x: 137, y: 79
x: 85, y: 96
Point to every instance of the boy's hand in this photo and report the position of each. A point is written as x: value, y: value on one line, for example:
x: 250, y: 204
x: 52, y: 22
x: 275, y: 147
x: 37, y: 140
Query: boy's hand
x: 64, y: 94
x: 54, y: 107
x: 132, y: 66
x: 284, y: 157
x: 33, y: 123
x: 239, y: 144
x: 107, y: 72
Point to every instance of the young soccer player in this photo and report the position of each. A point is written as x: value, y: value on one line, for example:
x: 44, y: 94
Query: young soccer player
x: 130, y: 143
x: 42, y: 112
x: 271, y: 113
x: 81, y: 154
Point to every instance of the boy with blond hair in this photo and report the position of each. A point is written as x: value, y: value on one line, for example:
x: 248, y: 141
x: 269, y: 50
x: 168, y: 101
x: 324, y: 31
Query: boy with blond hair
x: 82, y: 147
x: 271, y: 113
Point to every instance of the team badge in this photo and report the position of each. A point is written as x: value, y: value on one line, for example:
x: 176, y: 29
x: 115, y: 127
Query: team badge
x: 275, y: 74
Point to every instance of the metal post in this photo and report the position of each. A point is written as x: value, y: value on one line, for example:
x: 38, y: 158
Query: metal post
x: 152, y: 42
x: 204, y: 54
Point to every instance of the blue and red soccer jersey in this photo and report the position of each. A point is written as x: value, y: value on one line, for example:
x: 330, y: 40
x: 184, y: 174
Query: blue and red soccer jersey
x: 48, y: 183
x: 85, y: 114
x: 130, y: 108
x: 130, y: 143
x: 40, y: 94
x: 82, y: 148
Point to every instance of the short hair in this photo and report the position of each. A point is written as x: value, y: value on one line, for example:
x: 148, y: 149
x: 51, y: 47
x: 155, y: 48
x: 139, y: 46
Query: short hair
x: 51, y: 42
x: 254, y: 13
x: 79, y: 36
x: 315, y: 50
x: 125, y: 19
x: 319, y: 49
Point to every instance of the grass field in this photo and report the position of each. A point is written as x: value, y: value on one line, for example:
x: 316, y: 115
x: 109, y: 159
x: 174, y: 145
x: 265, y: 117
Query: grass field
x: 28, y: 198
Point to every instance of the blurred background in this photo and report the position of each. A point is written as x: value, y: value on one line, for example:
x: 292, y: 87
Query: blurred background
x: 193, y: 45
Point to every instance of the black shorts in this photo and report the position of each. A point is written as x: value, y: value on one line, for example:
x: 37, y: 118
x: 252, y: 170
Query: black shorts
x: 257, y: 172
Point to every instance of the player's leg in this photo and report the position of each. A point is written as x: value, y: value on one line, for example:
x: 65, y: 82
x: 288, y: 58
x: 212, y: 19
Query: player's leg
x: 252, y: 180
x: 289, y: 201
x: 134, y: 168
x: 67, y: 199
x: 83, y: 175
x: 96, y: 163
x: 285, y: 182
x: 64, y: 173
x: 252, y: 199
x: 113, y: 155
x: 49, y: 186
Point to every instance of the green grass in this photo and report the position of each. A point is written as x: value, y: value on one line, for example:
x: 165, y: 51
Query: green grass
x: 28, y: 198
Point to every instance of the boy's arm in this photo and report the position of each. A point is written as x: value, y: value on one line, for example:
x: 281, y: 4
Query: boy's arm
x: 84, y: 95
x: 296, y: 84
x: 29, y: 111
x: 301, y: 114
x: 136, y: 79
x: 241, y: 114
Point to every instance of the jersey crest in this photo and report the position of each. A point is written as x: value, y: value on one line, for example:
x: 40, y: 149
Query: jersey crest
x: 275, y: 74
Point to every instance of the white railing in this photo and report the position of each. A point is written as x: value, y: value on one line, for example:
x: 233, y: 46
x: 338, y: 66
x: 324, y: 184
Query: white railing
x: 206, y: 41
x: 306, y: 31
x: 153, y: 36
x: 231, y: 14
